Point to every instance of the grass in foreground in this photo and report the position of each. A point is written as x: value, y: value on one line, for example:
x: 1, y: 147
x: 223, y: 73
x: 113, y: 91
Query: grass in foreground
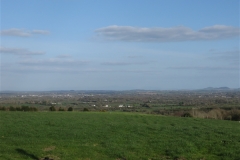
x: 78, y: 135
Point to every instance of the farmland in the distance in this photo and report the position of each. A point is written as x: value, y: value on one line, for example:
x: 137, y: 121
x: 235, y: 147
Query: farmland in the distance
x: 114, y: 135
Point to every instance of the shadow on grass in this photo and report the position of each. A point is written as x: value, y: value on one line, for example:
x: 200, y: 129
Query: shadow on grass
x: 23, y: 152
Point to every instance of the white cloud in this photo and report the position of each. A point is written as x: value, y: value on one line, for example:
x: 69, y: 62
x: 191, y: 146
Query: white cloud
x: 52, y: 62
x: 19, y: 51
x: 64, y: 56
x: 69, y: 65
x: 134, y: 56
x: 22, y: 32
x: 125, y: 63
x: 206, y: 68
x: 15, y: 32
x: 44, y: 65
x: 173, y: 34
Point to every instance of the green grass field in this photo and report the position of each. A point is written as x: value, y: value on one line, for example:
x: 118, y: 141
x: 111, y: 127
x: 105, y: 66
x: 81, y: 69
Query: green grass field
x: 117, y: 136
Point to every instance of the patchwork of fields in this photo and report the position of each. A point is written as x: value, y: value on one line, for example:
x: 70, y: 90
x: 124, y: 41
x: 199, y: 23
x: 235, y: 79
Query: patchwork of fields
x: 113, y: 135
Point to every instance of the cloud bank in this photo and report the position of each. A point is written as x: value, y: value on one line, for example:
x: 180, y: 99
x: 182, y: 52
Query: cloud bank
x: 22, y: 33
x: 19, y: 51
x: 173, y: 34
x: 125, y: 63
x: 52, y: 62
x: 206, y: 68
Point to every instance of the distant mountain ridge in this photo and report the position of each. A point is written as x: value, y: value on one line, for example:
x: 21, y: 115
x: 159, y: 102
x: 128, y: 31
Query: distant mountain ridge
x: 219, y: 88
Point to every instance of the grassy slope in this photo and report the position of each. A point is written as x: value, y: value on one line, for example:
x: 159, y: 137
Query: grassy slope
x: 78, y: 135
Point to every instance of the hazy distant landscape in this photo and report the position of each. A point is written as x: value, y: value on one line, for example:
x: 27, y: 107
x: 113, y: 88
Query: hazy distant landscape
x: 211, y: 103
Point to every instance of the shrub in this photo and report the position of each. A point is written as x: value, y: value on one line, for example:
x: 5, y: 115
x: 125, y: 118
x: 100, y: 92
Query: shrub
x: 85, y: 109
x: 236, y: 117
x: 187, y: 114
x: 181, y: 103
x: 216, y: 113
x: 52, y: 108
x: 145, y: 105
x: 25, y: 108
x: 70, y: 109
x: 61, y: 109
x: 18, y: 109
x: 233, y: 115
x: 12, y: 108
x: 3, y: 109
x: 34, y: 109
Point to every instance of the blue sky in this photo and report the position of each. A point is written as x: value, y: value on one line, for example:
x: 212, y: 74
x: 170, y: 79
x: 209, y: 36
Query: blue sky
x: 119, y: 45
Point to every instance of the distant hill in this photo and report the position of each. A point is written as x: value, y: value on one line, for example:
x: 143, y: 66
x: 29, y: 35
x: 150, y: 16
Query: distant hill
x: 219, y: 88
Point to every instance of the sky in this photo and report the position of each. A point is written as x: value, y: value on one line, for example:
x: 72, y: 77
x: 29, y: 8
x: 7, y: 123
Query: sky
x: 119, y: 44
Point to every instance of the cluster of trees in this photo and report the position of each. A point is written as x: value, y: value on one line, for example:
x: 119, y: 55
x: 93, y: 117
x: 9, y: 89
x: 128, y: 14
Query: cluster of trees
x: 52, y: 108
x: 213, y: 113
x: 22, y: 108
x: 218, y: 113
x: 3, y: 108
